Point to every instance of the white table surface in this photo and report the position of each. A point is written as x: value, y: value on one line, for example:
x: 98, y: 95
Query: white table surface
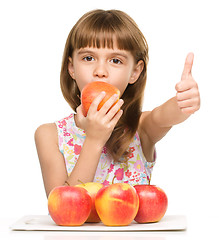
x: 197, y: 228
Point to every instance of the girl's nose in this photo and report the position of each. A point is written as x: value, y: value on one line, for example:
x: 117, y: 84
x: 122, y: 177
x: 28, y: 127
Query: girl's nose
x: 100, y: 70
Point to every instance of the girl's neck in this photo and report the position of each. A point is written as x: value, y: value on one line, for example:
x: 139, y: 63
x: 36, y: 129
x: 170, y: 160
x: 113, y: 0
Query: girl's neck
x: 76, y: 121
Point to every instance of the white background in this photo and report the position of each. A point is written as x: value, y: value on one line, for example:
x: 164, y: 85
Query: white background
x: 32, y: 38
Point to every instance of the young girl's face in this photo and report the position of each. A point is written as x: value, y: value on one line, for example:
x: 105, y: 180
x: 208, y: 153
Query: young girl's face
x: 114, y: 66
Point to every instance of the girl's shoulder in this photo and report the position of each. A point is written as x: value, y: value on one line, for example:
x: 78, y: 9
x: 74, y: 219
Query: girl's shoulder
x: 145, y: 114
x: 46, y: 132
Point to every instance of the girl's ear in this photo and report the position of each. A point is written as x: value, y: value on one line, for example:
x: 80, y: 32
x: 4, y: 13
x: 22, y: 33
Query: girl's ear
x: 70, y: 67
x: 136, y: 71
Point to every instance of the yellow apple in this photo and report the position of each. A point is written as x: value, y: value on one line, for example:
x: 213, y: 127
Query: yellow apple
x: 92, y: 188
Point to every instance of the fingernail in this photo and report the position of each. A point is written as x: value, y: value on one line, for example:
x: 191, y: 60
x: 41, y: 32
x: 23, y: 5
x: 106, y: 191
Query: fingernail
x: 121, y: 101
x: 190, y: 57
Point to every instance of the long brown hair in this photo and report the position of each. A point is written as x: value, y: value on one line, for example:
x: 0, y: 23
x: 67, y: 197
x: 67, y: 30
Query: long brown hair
x: 100, y: 28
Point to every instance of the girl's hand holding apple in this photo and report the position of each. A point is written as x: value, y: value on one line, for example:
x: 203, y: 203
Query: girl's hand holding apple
x: 99, y: 124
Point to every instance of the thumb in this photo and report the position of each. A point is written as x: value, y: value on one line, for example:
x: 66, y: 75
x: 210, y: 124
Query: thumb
x: 80, y: 113
x: 188, y: 66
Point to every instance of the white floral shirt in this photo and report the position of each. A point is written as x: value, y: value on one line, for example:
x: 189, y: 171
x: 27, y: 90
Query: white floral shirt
x: 136, y: 170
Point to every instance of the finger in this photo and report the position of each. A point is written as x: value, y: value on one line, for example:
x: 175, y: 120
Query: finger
x: 191, y: 93
x: 183, y: 96
x: 79, y: 110
x: 97, y: 100
x: 187, y: 103
x: 79, y: 115
x: 187, y: 66
x: 189, y: 110
x: 186, y: 85
x: 114, y: 110
x: 109, y: 104
x: 116, y: 118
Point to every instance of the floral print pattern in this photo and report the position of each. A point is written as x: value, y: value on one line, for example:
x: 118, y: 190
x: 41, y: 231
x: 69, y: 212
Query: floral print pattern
x: 134, y: 170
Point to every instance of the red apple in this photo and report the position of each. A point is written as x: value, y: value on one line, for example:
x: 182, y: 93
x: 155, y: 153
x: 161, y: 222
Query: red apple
x: 69, y: 206
x: 92, y: 90
x: 152, y: 203
x: 117, y: 204
x: 92, y: 188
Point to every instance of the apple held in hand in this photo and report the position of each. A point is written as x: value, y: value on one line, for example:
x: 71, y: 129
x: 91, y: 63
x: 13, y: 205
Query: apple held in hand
x: 92, y: 90
x: 69, y: 206
x: 153, y: 203
x: 92, y: 188
x: 117, y: 204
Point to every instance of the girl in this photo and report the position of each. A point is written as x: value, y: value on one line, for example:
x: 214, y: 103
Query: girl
x: 116, y: 145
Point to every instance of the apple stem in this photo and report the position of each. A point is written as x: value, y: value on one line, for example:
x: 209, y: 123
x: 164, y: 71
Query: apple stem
x: 113, y: 179
x: 81, y: 182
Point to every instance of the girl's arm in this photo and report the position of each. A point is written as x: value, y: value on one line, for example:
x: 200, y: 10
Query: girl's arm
x: 98, y: 126
x: 157, y: 123
x: 53, y: 164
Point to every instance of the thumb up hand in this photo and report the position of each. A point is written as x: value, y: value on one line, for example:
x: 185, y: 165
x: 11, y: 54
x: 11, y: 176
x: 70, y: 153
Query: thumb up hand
x: 188, y: 97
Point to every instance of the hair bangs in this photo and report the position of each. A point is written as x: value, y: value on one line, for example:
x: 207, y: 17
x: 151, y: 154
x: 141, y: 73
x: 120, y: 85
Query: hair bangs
x: 104, y: 31
x: 97, y: 39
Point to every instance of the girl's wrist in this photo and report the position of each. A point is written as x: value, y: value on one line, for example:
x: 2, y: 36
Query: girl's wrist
x: 93, y: 144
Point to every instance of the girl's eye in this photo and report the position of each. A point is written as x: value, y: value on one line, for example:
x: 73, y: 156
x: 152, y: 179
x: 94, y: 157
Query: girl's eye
x: 88, y: 58
x: 116, y: 61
